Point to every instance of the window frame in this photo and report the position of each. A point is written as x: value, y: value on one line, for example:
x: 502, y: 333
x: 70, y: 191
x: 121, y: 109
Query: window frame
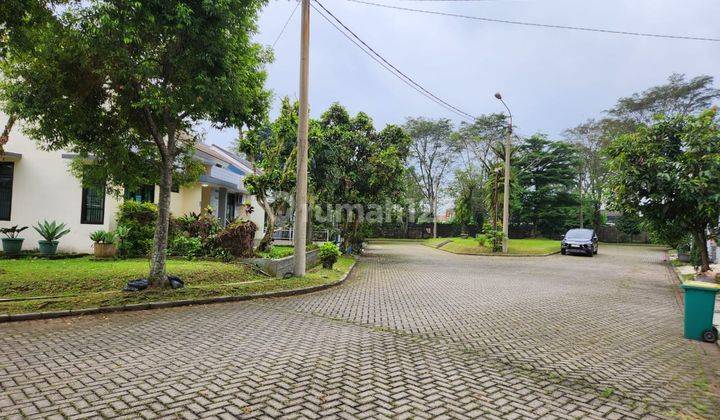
x: 84, y: 207
x: 12, y: 181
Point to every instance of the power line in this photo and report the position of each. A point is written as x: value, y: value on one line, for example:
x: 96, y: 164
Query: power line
x: 282, y: 31
x: 377, y: 57
x: 535, y: 24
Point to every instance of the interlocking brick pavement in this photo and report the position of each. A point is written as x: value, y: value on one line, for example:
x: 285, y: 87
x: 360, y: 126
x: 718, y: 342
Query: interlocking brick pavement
x: 414, y: 333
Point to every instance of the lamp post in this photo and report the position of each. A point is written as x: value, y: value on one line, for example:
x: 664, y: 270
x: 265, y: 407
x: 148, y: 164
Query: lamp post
x: 506, y: 189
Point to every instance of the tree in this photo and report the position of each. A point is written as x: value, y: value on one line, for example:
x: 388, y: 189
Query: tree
x: 478, y: 141
x: 546, y: 178
x: 271, y: 148
x: 18, y: 18
x: 677, y: 97
x: 467, y: 187
x: 591, y: 139
x: 669, y: 173
x: 432, y: 153
x: 629, y: 224
x: 355, y: 166
x: 124, y: 83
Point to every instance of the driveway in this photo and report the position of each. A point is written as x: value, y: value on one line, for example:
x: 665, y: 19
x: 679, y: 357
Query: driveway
x: 414, y: 333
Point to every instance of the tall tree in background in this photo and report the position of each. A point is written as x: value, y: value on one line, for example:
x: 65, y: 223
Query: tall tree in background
x: 677, y: 97
x: 354, y: 164
x: 431, y: 156
x: 467, y: 188
x: 669, y: 173
x: 591, y: 139
x: 477, y: 142
x: 271, y: 148
x: 546, y: 177
x: 126, y: 82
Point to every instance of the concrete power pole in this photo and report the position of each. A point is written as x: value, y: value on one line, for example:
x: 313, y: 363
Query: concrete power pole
x: 300, y: 229
x: 580, y: 189
x: 506, y: 192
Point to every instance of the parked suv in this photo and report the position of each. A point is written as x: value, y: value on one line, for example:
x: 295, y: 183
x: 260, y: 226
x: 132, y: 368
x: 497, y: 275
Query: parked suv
x: 583, y: 241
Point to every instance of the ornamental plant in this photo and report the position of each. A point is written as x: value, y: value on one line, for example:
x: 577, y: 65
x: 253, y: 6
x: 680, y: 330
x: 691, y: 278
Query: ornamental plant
x: 237, y: 238
x: 329, y: 253
x: 13, y: 231
x: 51, y: 231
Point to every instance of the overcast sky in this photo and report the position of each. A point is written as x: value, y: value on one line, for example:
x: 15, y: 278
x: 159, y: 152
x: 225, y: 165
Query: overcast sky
x: 552, y: 79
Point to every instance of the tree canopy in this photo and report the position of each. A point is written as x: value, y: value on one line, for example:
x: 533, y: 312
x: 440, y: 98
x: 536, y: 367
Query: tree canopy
x: 669, y: 173
x: 123, y: 84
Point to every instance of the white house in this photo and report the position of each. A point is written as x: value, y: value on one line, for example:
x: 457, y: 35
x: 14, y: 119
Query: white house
x: 37, y: 185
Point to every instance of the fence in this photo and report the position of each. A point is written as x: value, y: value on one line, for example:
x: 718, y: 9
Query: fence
x: 613, y: 235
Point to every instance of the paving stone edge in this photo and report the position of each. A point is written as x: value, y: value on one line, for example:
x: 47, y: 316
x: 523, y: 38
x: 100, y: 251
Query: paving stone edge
x: 171, y: 304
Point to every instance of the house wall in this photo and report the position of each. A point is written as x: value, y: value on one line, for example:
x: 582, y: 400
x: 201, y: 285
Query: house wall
x: 43, y: 188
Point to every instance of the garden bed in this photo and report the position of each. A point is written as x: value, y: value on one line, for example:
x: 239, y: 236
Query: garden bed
x: 281, y: 267
x: 518, y: 247
x: 44, y: 285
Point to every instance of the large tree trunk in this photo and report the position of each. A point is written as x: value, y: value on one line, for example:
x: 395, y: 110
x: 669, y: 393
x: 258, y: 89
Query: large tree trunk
x: 701, y: 243
x: 597, y: 216
x: 158, y: 278
x: 5, y: 135
x: 266, y: 241
x: 434, y: 204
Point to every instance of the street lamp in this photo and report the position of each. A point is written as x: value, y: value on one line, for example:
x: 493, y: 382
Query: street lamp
x: 506, y: 189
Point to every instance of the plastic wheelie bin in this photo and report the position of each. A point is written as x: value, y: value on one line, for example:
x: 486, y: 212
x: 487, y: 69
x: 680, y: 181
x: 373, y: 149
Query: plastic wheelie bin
x: 699, y: 310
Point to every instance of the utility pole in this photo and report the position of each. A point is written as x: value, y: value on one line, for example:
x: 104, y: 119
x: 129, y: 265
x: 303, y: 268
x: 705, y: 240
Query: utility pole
x: 300, y: 229
x: 580, y: 189
x: 506, y: 192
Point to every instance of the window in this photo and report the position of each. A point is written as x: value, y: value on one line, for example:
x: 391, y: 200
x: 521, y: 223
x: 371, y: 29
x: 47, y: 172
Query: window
x: 231, y: 202
x: 93, y: 206
x: 145, y: 194
x: 6, y: 184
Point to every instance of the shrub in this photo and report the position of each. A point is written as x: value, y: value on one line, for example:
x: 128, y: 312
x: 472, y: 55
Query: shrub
x: 491, y: 238
x: 183, y: 246
x: 329, y: 253
x: 140, y: 220
x: 237, y: 238
x: 203, y: 226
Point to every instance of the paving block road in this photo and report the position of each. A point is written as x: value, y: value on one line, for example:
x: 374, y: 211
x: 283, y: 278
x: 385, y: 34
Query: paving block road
x: 415, y: 332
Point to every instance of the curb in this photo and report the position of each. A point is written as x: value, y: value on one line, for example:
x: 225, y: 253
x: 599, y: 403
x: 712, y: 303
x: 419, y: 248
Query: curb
x: 500, y: 255
x: 172, y: 304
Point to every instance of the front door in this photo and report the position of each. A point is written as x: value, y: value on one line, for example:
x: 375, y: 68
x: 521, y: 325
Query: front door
x: 231, y: 202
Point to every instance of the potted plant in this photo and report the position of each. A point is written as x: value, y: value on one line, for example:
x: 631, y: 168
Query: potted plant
x: 51, y: 232
x: 11, y: 243
x: 104, y: 246
x: 328, y: 254
x: 683, y: 251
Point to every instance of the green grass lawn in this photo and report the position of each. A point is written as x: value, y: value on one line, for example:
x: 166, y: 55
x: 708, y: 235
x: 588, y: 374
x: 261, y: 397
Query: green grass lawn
x: 515, y: 246
x: 84, y: 283
x: 278, y: 251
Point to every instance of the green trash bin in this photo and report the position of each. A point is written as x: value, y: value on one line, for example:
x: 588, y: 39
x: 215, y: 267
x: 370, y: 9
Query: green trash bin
x: 699, y: 310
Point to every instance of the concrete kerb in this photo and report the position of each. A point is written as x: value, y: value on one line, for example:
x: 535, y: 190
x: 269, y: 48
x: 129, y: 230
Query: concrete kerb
x: 171, y: 304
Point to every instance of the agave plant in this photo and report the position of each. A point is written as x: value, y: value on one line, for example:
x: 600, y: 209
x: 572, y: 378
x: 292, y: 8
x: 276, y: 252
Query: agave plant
x: 51, y: 231
x: 13, y: 231
x: 102, y: 237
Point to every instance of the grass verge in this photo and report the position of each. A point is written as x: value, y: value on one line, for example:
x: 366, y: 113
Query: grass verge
x: 103, y: 281
x: 515, y: 246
